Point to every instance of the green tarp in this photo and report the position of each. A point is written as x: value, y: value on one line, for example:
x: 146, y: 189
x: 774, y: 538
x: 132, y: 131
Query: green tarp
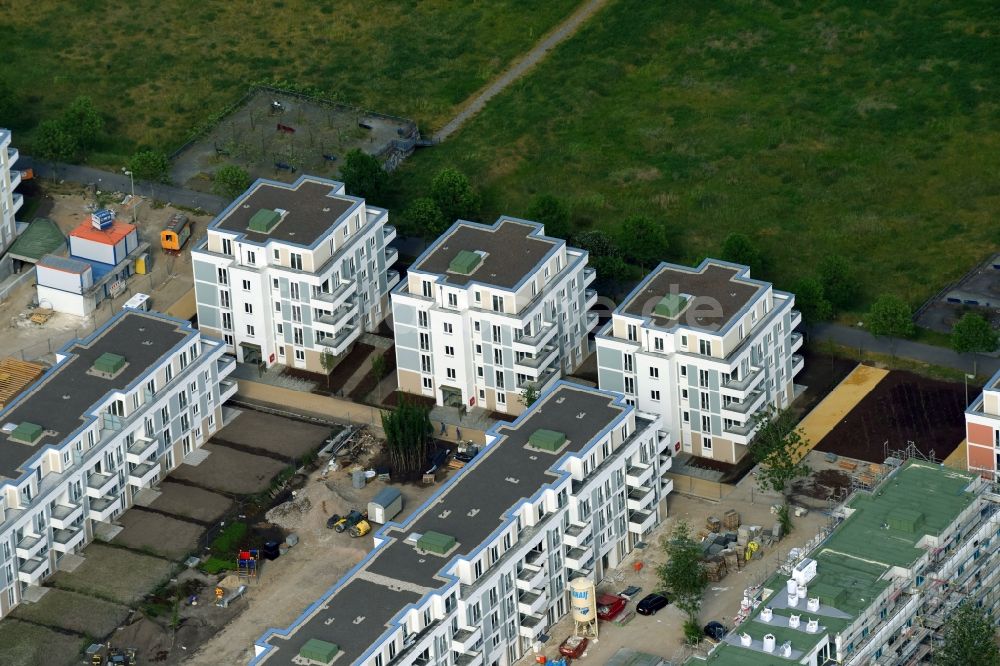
x: 320, y: 651
x: 264, y: 220
x: 109, y: 363
x: 435, y: 542
x: 42, y: 237
x: 464, y: 262
x: 547, y: 440
x: 27, y: 432
x: 906, y: 520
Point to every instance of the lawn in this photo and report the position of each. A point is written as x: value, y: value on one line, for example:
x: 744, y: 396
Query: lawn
x: 115, y: 574
x: 863, y: 129
x: 158, y: 68
x: 73, y: 612
x: 26, y: 644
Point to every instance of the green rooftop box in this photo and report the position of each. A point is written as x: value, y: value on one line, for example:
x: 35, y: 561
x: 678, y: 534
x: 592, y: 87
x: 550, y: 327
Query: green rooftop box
x: 905, y: 520
x: 435, y: 542
x: 319, y: 651
x: 109, y: 363
x: 671, y: 305
x: 465, y: 262
x: 27, y: 432
x: 547, y: 440
x: 264, y: 220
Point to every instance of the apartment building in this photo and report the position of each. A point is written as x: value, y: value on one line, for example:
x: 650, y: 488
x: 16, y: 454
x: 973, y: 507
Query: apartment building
x: 115, y: 413
x: 290, y: 272
x: 982, y: 429
x: 10, y: 201
x: 709, y: 348
x: 476, y: 574
x: 878, y: 590
x: 488, y: 310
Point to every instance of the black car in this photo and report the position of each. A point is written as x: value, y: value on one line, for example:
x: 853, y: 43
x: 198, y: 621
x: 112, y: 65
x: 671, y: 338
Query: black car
x: 651, y: 603
x: 715, y: 630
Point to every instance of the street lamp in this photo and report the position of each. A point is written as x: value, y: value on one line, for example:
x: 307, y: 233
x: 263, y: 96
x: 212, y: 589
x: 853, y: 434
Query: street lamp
x: 131, y: 180
x: 967, y: 378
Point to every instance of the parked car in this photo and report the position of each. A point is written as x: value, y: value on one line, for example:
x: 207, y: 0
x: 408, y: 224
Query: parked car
x: 610, y: 606
x: 573, y: 647
x: 715, y: 631
x: 652, y: 603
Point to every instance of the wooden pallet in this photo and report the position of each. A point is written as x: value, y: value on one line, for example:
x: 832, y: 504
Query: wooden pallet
x: 41, y: 315
x: 847, y: 465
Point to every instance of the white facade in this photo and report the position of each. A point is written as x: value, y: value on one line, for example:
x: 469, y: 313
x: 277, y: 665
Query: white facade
x: 139, y: 427
x: 10, y: 201
x: 479, y: 339
x: 728, y: 355
x: 310, y: 286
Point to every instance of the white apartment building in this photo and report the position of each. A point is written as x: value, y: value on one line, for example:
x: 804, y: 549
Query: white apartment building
x: 982, y: 429
x: 478, y: 572
x: 114, y: 415
x: 289, y: 272
x: 10, y: 201
x: 490, y: 309
x: 709, y: 348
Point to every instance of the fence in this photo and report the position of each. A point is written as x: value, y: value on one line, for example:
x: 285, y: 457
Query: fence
x: 702, y: 488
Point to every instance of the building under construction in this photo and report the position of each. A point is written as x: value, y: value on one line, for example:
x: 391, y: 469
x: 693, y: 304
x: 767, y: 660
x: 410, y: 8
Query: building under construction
x: 880, y: 587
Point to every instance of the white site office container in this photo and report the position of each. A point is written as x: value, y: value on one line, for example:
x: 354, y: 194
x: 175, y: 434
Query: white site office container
x: 385, y: 506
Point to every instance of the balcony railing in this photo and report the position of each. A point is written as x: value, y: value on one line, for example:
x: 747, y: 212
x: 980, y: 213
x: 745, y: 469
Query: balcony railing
x: 65, y: 540
x: 589, y: 275
x: 32, y: 570
x: 103, y: 508
x: 338, y: 343
x: 542, y: 358
x: 99, y: 484
x: 640, y: 497
x: 144, y: 474
x: 535, y: 340
x: 391, y: 255
x: 337, y: 296
x: 18, y: 201
x: 640, y: 522
x: 746, y: 382
x: 591, y: 297
x: 748, y: 405
x: 12, y: 156
x: 29, y: 546
x: 796, y: 340
x: 63, y: 515
x: 388, y: 233
x: 391, y: 278
x: 796, y: 318
x: 797, y: 363
x: 141, y: 451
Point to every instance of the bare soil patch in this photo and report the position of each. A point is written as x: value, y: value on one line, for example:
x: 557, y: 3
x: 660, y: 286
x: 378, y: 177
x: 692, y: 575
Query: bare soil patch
x: 151, y: 532
x: 230, y: 471
x: 73, y: 612
x: 287, y: 437
x: 26, y: 644
x: 191, y: 502
x: 114, y: 574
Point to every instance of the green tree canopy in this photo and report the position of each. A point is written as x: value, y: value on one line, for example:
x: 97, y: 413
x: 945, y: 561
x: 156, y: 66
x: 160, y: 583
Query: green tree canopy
x: 454, y: 195
x: 230, y: 181
x: 529, y: 394
x: 407, y: 430
x: 54, y: 143
x: 811, y: 301
x: 149, y: 165
x: 423, y: 218
x: 83, y: 119
x: 890, y: 317
x: 779, y: 449
x: 840, y: 285
x: 738, y: 249
x: 643, y: 240
x: 973, y: 334
x: 682, y: 575
x: 13, y: 111
x: 551, y: 212
x: 363, y: 175
x: 969, y: 639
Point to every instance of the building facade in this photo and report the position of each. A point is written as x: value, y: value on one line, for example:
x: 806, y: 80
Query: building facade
x: 10, y: 201
x: 291, y: 272
x: 982, y: 429
x: 879, y: 588
x: 709, y: 348
x: 488, y: 310
x: 481, y: 570
x: 114, y: 415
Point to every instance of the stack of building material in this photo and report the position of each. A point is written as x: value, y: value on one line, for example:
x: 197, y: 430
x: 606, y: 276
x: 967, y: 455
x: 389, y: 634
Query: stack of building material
x: 731, y: 519
x: 713, y: 524
x: 732, y: 559
x: 15, y: 376
x: 715, y: 569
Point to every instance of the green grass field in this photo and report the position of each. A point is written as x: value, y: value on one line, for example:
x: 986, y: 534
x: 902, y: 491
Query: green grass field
x: 158, y: 68
x: 864, y: 129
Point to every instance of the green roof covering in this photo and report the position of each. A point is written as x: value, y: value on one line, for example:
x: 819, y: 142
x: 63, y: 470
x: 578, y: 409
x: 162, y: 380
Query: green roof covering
x: 547, y: 440
x: 317, y: 650
x: 42, y: 237
x: 264, y: 220
x: 907, y: 520
x: 671, y: 305
x: 435, y: 542
x: 465, y: 262
x: 109, y: 363
x: 27, y: 432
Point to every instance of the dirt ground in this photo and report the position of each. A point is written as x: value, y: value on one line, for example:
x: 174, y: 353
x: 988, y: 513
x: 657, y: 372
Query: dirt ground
x: 982, y: 283
x: 285, y: 437
x: 902, y: 408
x: 115, y: 574
x: 73, y: 612
x: 230, y: 471
x: 191, y: 502
x: 26, y: 644
x: 150, y: 532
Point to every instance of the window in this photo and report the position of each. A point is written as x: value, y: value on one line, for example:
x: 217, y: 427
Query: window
x: 296, y: 313
x: 499, y: 376
x: 293, y: 291
x: 704, y: 400
x: 684, y: 342
x: 629, y: 363
x: 248, y: 308
x: 630, y: 385
x: 496, y: 334
x: 448, y: 328
x: 300, y: 355
x: 297, y: 335
x: 279, y: 329
x: 449, y: 350
x: 632, y: 332
x: 425, y: 341
x: 246, y: 285
x: 684, y: 371
x: 281, y: 351
x: 425, y: 287
x: 450, y: 372
x: 497, y: 357
x: 251, y: 258
x: 684, y: 394
x: 705, y: 347
x: 703, y: 378
x: 706, y: 423
x: 277, y: 306
x: 686, y: 416
x: 426, y: 382
x: 227, y: 248
x: 658, y: 344
x: 475, y: 326
x: 224, y: 298
x: 250, y: 330
x: 422, y: 318
x: 296, y: 261
x: 452, y: 300
x: 654, y: 372
x: 425, y: 363
x: 277, y: 254
x: 706, y: 443
x: 165, y: 414
x: 478, y: 296
x: 654, y: 396
x: 479, y: 349
x: 501, y: 398
x: 498, y: 303
x: 274, y: 283
x: 229, y: 339
x: 741, y: 331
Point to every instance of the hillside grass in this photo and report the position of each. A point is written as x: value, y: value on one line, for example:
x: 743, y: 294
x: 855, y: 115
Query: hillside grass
x: 863, y: 129
x: 158, y: 68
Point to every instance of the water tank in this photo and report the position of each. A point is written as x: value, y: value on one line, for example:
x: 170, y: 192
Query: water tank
x: 583, y: 599
x: 768, y: 642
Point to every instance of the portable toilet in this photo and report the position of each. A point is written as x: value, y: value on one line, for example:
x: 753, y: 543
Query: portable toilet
x: 143, y: 264
x: 385, y: 506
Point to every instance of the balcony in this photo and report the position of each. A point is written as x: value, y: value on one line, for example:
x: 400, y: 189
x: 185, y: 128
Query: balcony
x: 797, y: 363
x: 640, y: 522
x: 64, y: 515
x: 640, y: 498
x: 29, y: 546
x: 592, y: 321
x: 579, y: 558
x: 12, y: 156
x: 741, y: 409
x: 33, y: 571
x: 99, y: 485
x: 337, y: 296
x: 391, y: 256
x: 142, y: 450
x: 67, y: 540
x: 336, y: 318
x: 18, y: 202
x: 637, y: 474
x: 796, y: 318
x: 227, y: 389
x: 531, y: 626
x: 388, y: 233
x: 666, y: 486
x: 143, y: 475
x: 796, y: 340
x: 15, y: 178
x: 740, y: 433
x: 532, y: 365
x: 578, y: 534
x: 391, y: 279
x: 225, y: 365
x: 103, y: 509
x: 589, y: 275
x: 531, y: 602
x: 591, y: 297
x: 744, y: 385
x: 471, y: 658
x: 531, y: 344
x: 466, y: 637
x: 338, y: 343
x: 531, y: 578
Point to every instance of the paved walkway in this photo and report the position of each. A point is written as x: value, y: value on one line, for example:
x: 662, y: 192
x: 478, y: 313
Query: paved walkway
x: 825, y: 416
x: 110, y: 181
x: 857, y: 338
x: 564, y: 30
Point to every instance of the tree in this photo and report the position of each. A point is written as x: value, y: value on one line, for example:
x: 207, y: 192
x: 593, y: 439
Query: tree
x: 454, y: 195
x: 84, y: 121
x: 779, y: 450
x: 423, y: 218
x: 230, y: 181
x: 840, y: 286
x: 889, y: 316
x: 529, y: 394
x: 149, y: 165
x: 605, y: 256
x: 738, y: 249
x: 551, y: 212
x: 54, y: 143
x: 407, y: 429
x: 973, y: 334
x: 362, y: 174
x: 328, y: 361
x: 12, y: 108
x: 969, y: 639
x: 643, y: 240
x: 379, y: 370
x: 811, y: 301
x: 682, y: 574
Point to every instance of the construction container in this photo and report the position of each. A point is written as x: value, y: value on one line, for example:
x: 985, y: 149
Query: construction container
x: 176, y: 233
x: 107, y: 246
x: 385, y: 506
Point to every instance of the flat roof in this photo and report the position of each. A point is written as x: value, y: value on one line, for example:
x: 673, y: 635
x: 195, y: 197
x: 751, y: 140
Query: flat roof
x: 61, y: 399
x: 312, y: 204
x: 110, y: 236
x: 511, y: 249
x: 717, y: 292
x: 853, y: 564
x: 40, y: 238
x: 470, y: 507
